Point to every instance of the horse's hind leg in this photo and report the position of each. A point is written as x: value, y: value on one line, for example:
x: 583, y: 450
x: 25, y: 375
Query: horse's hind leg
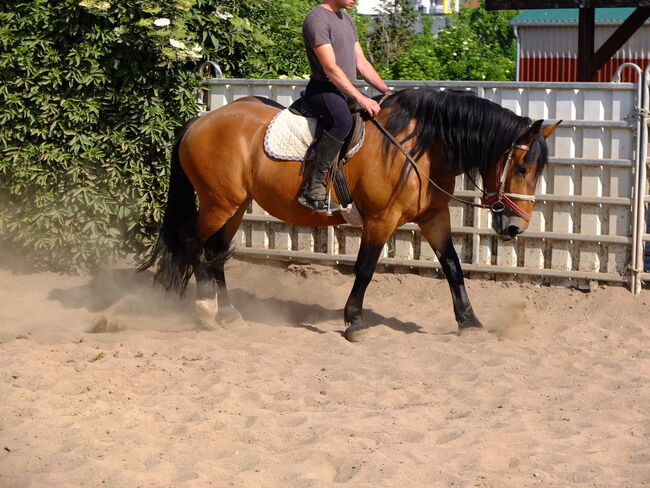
x: 210, y: 276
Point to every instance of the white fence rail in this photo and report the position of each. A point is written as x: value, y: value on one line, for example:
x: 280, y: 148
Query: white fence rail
x: 587, y: 223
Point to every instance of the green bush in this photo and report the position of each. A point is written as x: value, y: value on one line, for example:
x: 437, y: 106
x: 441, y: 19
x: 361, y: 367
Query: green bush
x: 253, y: 38
x: 92, y: 91
x: 91, y: 97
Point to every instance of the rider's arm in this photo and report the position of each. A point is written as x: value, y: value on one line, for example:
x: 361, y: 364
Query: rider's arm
x: 327, y: 58
x: 367, y: 71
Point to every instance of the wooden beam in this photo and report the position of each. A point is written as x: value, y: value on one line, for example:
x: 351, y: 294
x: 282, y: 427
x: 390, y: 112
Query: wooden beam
x: 543, y: 4
x: 586, y: 30
x: 620, y: 36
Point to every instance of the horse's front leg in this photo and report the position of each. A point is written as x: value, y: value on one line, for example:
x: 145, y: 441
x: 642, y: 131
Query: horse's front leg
x: 437, y: 231
x: 373, y: 238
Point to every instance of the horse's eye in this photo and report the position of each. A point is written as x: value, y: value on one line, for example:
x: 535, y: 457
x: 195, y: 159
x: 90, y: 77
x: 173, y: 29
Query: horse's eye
x: 522, y: 170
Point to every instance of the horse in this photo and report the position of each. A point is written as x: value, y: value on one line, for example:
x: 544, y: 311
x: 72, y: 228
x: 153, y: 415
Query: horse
x: 220, y: 158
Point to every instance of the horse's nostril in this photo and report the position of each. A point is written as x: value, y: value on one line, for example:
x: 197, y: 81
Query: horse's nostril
x: 513, y: 230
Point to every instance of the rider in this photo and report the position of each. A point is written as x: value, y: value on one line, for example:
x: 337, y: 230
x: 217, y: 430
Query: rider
x: 335, y: 56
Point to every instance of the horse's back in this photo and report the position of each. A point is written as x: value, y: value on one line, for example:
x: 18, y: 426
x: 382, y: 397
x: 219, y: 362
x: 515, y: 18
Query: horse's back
x: 241, y: 120
x: 261, y: 100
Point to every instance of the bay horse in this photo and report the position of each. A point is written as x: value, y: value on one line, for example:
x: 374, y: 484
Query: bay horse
x: 220, y: 158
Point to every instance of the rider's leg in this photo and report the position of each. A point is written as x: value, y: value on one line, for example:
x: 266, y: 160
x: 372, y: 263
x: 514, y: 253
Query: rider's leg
x: 337, y: 122
x: 332, y: 110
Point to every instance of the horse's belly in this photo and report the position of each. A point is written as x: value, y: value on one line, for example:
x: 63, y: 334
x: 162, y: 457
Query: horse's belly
x: 276, y: 187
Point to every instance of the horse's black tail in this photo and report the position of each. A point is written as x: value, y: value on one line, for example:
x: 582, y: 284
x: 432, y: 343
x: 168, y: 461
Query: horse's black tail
x: 176, y: 250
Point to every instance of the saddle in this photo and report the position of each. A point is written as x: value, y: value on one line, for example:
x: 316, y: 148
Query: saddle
x: 292, y: 133
x: 354, y: 139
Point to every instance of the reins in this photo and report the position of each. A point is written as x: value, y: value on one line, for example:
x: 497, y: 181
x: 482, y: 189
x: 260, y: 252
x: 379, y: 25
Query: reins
x: 418, y: 169
x: 496, y: 202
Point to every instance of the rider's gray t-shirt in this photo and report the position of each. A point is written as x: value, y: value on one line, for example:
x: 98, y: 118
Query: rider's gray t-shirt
x: 322, y: 26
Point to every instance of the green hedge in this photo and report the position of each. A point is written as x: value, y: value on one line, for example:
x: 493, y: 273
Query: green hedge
x: 91, y: 92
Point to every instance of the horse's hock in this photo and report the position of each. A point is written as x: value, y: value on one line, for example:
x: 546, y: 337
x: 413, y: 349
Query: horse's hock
x: 589, y: 223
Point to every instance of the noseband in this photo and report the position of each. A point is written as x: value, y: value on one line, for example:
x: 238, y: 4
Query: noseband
x: 498, y: 201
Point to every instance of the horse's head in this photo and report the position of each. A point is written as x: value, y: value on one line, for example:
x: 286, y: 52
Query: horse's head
x: 510, y: 186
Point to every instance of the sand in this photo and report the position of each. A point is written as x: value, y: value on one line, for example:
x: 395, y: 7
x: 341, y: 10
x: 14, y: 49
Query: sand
x: 105, y: 382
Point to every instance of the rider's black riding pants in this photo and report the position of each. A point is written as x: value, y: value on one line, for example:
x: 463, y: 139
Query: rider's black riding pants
x: 331, y: 105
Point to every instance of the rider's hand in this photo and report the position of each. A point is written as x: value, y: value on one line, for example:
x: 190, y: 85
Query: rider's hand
x: 369, y: 105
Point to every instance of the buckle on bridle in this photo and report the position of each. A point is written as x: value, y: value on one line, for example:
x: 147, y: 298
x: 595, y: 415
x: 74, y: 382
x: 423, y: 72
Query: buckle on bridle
x: 498, y: 206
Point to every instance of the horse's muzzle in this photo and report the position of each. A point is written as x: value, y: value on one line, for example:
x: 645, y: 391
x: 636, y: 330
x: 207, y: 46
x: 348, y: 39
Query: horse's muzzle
x: 509, y: 226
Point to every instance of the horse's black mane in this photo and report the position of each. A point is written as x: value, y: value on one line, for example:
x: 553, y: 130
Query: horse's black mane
x: 476, y: 132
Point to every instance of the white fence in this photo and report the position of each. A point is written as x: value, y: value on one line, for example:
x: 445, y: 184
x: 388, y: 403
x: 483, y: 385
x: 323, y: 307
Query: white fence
x: 587, y: 223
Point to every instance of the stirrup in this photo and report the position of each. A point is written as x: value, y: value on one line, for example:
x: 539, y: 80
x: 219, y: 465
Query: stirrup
x: 319, y: 206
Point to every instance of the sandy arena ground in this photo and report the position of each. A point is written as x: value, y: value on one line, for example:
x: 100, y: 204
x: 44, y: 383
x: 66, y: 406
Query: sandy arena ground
x: 107, y: 383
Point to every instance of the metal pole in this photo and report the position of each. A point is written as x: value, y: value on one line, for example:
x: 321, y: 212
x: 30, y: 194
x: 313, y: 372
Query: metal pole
x: 518, y: 62
x: 634, y: 269
x: 209, y: 69
x: 644, y: 115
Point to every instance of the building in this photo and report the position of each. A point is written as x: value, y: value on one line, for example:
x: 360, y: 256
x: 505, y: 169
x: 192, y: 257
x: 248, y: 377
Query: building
x: 547, y: 44
x: 436, y: 7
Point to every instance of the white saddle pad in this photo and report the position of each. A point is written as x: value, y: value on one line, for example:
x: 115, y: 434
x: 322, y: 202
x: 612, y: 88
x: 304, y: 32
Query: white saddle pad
x: 289, y: 135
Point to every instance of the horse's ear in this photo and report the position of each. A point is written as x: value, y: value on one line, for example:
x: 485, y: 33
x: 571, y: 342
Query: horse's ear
x: 535, y: 128
x: 532, y: 131
x: 549, y: 129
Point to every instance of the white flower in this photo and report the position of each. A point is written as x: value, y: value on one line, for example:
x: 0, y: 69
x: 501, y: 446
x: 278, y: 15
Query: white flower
x: 223, y: 15
x: 95, y: 4
x: 197, y: 48
x: 177, y: 44
x: 161, y: 22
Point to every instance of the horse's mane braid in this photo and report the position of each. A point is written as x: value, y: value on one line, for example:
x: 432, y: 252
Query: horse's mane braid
x: 476, y: 132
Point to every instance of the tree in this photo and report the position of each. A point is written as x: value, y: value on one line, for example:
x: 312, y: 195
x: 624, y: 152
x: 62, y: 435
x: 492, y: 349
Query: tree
x: 478, y: 45
x: 392, y: 32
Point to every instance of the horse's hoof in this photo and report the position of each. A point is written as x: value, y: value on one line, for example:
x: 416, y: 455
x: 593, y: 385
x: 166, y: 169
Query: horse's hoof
x: 358, y: 332
x: 470, y: 322
x: 476, y: 335
x: 229, y: 318
x: 205, y: 313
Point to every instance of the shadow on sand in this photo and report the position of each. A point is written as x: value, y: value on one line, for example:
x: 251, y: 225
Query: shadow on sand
x: 131, y: 296
x: 278, y: 311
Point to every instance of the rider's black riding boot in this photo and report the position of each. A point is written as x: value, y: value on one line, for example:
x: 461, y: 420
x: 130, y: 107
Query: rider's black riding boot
x: 313, y: 193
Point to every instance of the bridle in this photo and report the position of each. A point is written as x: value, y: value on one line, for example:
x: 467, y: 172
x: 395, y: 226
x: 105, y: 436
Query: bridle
x: 497, y: 202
